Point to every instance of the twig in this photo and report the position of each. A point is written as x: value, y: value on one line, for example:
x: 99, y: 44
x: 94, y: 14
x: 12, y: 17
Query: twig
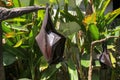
x: 90, y: 8
x: 91, y: 51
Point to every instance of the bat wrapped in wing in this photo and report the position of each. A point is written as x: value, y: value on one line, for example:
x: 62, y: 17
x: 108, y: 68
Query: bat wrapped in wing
x: 50, y: 42
x: 105, y: 57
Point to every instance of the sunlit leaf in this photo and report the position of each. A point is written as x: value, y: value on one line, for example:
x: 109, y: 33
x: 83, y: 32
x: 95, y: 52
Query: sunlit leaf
x: 23, y: 2
x: 19, y: 27
x: 41, y: 14
x: 103, y: 5
x: 24, y: 79
x: 112, y: 47
x: 52, y: 1
x: 85, y: 63
x: 72, y: 70
x: 10, y: 35
x: 5, y: 27
x: 112, y: 15
x: 44, y: 64
x: 97, y: 63
x: 17, y: 20
x: 19, y: 43
x: 94, y: 33
x: 117, y: 31
x: 50, y: 71
x: 13, y: 34
x: 113, y: 60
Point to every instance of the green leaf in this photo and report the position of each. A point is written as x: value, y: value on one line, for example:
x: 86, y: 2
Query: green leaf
x: 52, y: 1
x: 16, y: 3
x: 18, y: 26
x: 41, y: 14
x: 41, y: 2
x: 24, y: 79
x: 31, y: 2
x: 14, y: 51
x: 96, y: 3
x: 44, y: 63
x: 16, y: 19
x: 79, y: 14
x: 113, y: 60
x: 94, y: 33
x: 68, y: 16
x: 103, y: 5
x: 50, y: 71
x: 117, y: 31
x: 10, y: 35
x: 72, y: 70
x: 69, y: 28
x: 85, y: 63
x: 19, y: 43
x: 5, y: 27
x: 8, y: 58
x: 72, y: 3
x: 112, y: 15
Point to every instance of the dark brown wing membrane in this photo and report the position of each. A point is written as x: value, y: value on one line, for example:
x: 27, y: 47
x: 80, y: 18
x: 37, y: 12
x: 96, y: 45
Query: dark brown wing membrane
x: 15, y: 12
x: 51, y: 43
x: 105, y: 57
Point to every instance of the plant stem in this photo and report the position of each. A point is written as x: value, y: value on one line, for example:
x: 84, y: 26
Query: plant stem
x: 19, y: 3
x: 79, y: 66
x: 90, y: 67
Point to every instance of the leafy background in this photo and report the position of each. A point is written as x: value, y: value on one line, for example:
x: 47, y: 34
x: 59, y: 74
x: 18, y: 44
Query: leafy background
x: 23, y: 60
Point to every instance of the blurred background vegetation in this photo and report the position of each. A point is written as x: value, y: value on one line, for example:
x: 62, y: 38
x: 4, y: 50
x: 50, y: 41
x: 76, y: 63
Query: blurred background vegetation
x: 23, y: 60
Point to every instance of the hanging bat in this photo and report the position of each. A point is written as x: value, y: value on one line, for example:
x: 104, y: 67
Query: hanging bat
x: 15, y: 12
x: 105, y: 60
x: 50, y: 42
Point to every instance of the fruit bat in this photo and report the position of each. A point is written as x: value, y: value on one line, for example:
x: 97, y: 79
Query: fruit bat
x: 50, y: 42
x: 104, y: 58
